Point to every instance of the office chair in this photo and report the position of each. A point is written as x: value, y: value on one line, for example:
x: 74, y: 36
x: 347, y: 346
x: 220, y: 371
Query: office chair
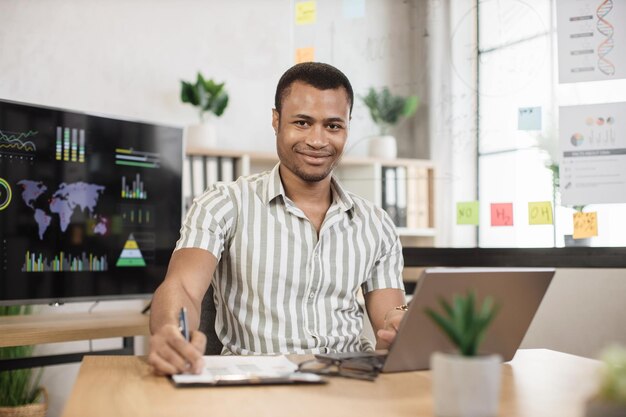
x: 207, y: 324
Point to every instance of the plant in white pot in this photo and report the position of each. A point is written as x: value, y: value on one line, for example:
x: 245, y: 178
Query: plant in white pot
x: 386, y: 111
x: 210, y: 99
x: 20, y: 393
x: 610, y: 400
x: 465, y: 383
x: 549, y: 145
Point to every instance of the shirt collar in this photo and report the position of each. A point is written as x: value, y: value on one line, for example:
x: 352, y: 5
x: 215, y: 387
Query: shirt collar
x: 274, y: 188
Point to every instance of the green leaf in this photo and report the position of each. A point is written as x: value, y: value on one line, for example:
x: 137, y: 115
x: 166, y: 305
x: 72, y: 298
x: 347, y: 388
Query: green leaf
x: 187, y: 93
x: 446, y: 306
x: 446, y: 326
x: 219, y: 105
x: 206, y: 95
x: 386, y: 109
x: 465, y: 322
x: 17, y: 385
x: 410, y: 106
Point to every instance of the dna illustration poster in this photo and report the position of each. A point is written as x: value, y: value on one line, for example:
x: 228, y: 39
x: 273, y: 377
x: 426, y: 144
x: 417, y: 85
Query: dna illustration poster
x: 591, y: 40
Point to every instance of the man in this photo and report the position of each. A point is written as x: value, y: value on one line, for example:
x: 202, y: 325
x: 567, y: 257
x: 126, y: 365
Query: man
x: 286, y: 250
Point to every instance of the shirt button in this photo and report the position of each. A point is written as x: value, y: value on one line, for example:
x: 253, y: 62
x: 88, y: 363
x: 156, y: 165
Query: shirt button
x: 311, y: 295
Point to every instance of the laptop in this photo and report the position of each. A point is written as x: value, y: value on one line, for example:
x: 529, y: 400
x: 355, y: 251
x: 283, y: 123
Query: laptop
x: 519, y: 292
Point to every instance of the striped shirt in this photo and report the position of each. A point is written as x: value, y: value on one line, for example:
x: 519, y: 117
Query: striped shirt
x: 280, y: 289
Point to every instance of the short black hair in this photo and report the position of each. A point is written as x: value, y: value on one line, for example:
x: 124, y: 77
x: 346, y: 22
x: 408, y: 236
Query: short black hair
x: 319, y: 75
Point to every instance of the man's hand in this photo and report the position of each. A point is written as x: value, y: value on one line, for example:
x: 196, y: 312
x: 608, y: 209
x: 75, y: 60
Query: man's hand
x: 387, y: 334
x: 171, y: 354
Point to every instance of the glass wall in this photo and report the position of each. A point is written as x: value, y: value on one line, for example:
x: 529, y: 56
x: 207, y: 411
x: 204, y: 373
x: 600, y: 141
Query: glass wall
x: 523, y: 153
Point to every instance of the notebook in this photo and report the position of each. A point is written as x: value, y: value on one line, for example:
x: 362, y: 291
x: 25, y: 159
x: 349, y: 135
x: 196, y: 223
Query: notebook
x: 246, y: 370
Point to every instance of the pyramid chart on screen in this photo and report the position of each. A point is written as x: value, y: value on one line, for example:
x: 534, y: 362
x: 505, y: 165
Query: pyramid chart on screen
x: 131, y: 255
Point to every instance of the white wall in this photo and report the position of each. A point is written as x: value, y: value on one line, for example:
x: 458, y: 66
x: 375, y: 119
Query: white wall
x: 583, y: 311
x: 127, y: 57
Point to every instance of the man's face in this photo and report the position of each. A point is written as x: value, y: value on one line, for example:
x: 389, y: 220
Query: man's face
x: 311, y: 130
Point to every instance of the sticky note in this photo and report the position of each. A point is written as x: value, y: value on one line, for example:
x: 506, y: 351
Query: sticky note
x: 306, y: 12
x: 529, y: 118
x: 502, y: 214
x: 585, y: 225
x: 353, y: 9
x: 540, y: 212
x: 467, y: 212
x: 305, y: 55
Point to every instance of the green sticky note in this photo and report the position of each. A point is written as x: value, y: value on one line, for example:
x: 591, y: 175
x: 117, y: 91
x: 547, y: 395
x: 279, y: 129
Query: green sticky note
x: 467, y: 212
x: 540, y: 212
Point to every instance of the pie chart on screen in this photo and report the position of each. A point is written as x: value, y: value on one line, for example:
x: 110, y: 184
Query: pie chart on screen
x: 5, y: 194
x: 577, y: 139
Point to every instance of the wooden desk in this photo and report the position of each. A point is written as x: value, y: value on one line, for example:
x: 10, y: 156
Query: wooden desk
x: 66, y: 327
x: 536, y: 383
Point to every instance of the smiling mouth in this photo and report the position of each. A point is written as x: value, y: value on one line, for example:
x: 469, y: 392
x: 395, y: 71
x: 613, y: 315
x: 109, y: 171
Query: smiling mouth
x: 315, y: 154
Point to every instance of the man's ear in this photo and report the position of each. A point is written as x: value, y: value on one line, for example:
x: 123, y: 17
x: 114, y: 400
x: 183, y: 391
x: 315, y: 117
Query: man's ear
x: 275, y: 120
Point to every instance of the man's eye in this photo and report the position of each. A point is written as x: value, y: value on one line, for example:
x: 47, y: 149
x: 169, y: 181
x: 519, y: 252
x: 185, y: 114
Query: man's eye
x: 301, y: 123
x: 334, y: 126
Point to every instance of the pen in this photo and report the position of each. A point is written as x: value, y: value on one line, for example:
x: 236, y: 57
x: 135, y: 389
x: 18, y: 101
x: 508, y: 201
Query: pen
x: 183, y: 325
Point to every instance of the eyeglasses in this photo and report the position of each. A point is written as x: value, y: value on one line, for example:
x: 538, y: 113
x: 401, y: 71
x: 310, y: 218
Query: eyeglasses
x: 366, y: 368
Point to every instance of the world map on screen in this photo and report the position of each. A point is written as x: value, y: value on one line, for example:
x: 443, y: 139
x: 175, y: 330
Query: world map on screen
x: 63, y: 203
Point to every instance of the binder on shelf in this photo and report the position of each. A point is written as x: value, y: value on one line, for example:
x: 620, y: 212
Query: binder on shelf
x: 187, y: 193
x: 197, y: 175
x: 401, y: 197
x: 411, y: 197
x: 211, y: 170
x: 227, y: 169
x: 423, y: 199
x: 389, y: 190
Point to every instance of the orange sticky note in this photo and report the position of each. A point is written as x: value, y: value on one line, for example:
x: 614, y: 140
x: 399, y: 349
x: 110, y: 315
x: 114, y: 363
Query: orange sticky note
x: 306, y: 12
x: 305, y: 55
x: 502, y: 214
x: 585, y: 225
x: 540, y: 212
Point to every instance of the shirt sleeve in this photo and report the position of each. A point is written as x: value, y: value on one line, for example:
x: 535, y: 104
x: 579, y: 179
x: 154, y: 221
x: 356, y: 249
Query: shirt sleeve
x: 208, y: 222
x: 387, y: 269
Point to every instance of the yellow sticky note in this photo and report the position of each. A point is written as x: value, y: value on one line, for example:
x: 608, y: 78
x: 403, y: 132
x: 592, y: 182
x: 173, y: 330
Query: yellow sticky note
x: 305, y: 55
x: 585, y: 225
x: 306, y: 12
x: 540, y: 212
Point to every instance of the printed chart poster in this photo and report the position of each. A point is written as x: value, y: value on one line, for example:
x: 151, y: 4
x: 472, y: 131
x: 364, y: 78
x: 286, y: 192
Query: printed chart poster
x: 591, y: 40
x: 593, y: 159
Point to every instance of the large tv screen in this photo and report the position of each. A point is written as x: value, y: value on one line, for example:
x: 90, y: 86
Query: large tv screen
x: 90, y: 206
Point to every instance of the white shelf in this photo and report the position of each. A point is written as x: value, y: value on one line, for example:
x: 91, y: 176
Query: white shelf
x: 425, y: 232
x: 362, y: 176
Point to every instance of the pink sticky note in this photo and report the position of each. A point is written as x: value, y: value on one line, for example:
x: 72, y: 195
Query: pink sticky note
x: 502, y: 214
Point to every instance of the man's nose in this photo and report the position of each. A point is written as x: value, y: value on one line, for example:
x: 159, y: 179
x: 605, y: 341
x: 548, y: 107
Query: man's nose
x: 317, y: 137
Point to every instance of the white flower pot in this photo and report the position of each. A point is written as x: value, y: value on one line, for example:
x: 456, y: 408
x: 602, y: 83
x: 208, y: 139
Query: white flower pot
x: 466, y: 386
x: 201, y: 136
x: 383, y: 147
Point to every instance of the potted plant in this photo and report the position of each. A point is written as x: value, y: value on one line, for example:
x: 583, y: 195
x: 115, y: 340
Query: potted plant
x: 549, y: 146
x: 465, y: 383
x: 20, y: 393
x: 386, y: 111
x: 610, y: 400
x: 210, y: 99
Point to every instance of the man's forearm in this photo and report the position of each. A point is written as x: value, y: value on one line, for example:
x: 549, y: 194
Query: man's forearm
x: 166, y: 304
